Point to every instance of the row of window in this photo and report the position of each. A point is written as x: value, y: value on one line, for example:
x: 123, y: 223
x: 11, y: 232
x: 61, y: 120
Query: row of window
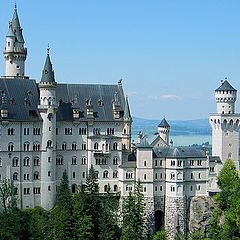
x: 172, y: 188
x: 96, y: 146
x: 26, y: 131
x: 106, y: 174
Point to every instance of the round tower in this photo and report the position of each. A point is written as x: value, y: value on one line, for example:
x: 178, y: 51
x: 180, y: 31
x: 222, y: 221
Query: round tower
x: 48, y: 109
x: 14, y: 52
x: 163, y: 130
x: 225, y: 129
x: 226, y: 97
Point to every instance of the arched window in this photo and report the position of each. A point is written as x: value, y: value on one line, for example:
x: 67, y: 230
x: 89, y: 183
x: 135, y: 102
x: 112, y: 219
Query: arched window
x: 36, y: 176
x: 10, y: 131
x: 59, y: 160
x: 26, y: 162
x: 15, y: 176
x: 15, y: 162
x: 129, y: 175
x: 96, y: 146
x: 74, y: 146
x: 74, y: 160
x: 115, y: 161
x: 36, y: 161
x: 36, y: 147
x: 115, y: 188
x: 115, y: 174
x: 10, y: 147
x: 49, y: 144
x: 115, y: 146
x: 26, y: 146
x: 96, y: 174
x: 105, y: 174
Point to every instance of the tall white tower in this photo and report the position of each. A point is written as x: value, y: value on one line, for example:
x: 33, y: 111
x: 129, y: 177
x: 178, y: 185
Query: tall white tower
x: 225, y: 124
x: 163, y: 130
x: 48, y: 109
x: 14, y: 52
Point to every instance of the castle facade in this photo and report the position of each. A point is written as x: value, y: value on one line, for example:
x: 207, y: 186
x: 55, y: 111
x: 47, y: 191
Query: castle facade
x: 47, y: 127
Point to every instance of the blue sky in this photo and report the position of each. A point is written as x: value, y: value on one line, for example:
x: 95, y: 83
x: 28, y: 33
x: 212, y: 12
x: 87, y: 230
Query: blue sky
x: 170, y: 54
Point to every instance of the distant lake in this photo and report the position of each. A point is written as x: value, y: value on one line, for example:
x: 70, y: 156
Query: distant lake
x: 186, y: 140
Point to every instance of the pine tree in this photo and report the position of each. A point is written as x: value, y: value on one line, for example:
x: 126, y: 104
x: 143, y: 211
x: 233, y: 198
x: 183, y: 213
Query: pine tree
x: 133, y: 215
x: 93, y: 200
x: 83, y: 222
x: 108, y: 223
x: 62, y: 212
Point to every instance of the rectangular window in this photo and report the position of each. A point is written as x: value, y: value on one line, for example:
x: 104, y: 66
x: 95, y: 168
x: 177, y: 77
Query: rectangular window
x: 73, y: 174
x: 156, y: 163
x: 191, y: 162
x: 191, y: 175
x: 199, y: 162
x: 26, y: 191
x: 36, y: 190
x: 83, y: 174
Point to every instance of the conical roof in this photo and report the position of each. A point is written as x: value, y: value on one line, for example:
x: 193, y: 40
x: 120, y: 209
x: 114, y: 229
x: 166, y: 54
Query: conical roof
x: 48, y: 73
x: 226, y: 86
x: 127, y: 114
x: 164, y: 123
x: 17, y: 27
x: 10, y: 31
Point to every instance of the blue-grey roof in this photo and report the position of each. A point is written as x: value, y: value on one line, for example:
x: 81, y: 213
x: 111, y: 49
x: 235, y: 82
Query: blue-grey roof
x: 214, y: 159
x: 178, y: 152
x: 17, y: 27
x: 226, y: 86
x: 10, y: 31
x: 164, y: 123
x: 23, y: 98
x: 47, y: 72
x: 127, y: 114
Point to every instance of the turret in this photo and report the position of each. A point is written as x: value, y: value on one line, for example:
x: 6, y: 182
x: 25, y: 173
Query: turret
x: 127, y: 127
x: 48, y: 109
x: 163, y: 130
x: 225, y: 97
x: 15, y: 53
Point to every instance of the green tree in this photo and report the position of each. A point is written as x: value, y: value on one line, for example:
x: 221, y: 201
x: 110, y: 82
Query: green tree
x: 62, y: 211
x: 225, y: 222
x: 228, y: 182
x: 108, y: 217
x: 7, y: 195
x: 160, y: 235
x: 38, y: 223
x: 133, y: 215
x: 83, y: 222
x: 93, y: 200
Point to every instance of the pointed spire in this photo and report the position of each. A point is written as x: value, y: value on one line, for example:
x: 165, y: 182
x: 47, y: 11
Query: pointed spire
x: 48, y: 73
x: 16, y: 26
x: 164, y: 123
x: 127, y: 114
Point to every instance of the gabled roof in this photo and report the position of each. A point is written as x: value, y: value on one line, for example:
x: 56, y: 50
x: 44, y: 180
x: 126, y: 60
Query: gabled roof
x: 10, y: 31
x: 164, y: 123
x: 226, y: 86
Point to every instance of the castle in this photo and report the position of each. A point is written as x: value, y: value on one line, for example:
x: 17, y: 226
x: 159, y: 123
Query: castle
x: 48, y: 127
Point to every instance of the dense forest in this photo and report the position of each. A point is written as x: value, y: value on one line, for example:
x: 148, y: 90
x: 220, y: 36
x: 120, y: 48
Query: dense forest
x: 88, y: 215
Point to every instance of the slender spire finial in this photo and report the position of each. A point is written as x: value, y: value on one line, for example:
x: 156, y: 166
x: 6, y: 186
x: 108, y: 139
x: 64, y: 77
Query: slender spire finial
x: 48, y: 49
x: 15, y: 6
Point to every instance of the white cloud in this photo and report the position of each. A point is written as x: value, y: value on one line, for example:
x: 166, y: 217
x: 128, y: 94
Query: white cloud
x: 131, y: 93
x: 166, y: 97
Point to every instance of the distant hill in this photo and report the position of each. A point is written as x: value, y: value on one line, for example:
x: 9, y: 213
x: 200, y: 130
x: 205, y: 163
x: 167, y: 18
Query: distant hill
x: 178, y: 127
